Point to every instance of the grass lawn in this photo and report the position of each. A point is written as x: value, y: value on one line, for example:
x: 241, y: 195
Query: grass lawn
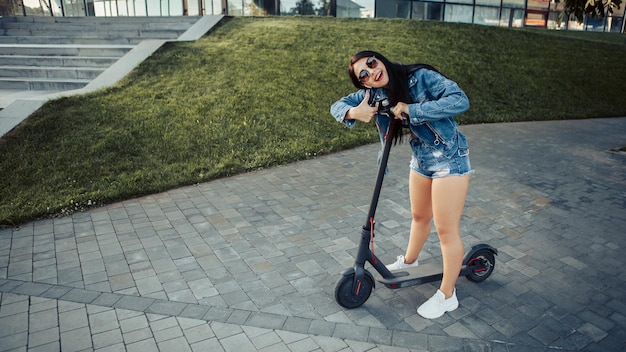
x: 256, y: 92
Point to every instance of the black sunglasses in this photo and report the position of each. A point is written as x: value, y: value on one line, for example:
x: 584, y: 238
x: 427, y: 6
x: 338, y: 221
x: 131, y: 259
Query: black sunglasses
x: 371, y: 63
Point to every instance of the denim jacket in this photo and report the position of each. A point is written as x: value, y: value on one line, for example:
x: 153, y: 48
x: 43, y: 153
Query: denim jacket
x: 431, y: 118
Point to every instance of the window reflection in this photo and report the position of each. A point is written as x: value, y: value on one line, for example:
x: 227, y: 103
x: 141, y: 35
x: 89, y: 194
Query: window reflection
x: 393, y: 9
x: 513, y: 3
x: 427, y: 11
x: 505, y: 13
x: 489, y: 16
x: 458, y: 13
x: 488, y: 2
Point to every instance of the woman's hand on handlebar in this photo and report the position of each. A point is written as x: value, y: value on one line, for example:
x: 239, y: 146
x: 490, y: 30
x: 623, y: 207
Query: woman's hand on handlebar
x: 401, y: 111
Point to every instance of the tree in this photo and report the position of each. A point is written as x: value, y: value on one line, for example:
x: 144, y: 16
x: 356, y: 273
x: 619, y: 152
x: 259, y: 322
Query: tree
x: 9, y: 8
x: 324, y: 9
x: 303, y: 7
x: 594, y: 8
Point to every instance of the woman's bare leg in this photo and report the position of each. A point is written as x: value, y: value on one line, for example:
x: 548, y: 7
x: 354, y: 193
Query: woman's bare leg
x: 448, y: 201
x: 422, y: 214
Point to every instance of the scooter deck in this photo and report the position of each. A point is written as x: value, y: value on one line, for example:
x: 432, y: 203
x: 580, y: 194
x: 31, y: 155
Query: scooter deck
x: 418, y: 275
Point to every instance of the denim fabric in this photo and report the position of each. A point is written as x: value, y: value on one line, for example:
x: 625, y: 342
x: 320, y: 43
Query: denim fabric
x: 437, y: 100
x: 433, y: 164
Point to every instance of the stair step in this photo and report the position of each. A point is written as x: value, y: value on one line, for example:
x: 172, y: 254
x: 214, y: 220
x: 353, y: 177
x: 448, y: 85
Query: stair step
x: 65, y: 50
x: 57, y: 61
x: 45, y: 53
x: 101, y: 23
x: 94, y: 34
x: 96, y: 19
x: 42, y: 84
x: 50, y: 72
x: 29, y: 39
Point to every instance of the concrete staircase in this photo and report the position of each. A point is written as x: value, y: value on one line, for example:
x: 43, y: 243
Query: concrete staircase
x: 65, y: 53
x: 44, y: 58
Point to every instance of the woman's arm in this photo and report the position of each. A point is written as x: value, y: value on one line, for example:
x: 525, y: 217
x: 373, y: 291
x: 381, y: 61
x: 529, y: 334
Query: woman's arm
x: 438, y: 97
x: 353, y: 107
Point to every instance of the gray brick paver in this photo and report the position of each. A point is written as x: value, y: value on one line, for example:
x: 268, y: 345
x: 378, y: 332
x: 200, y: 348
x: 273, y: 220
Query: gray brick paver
x: 107, y: 339
x: 133, y: 323
x: 43, y: 320
x: 14, y: 341
x: 267, y: 339
x: 147, y: 345
x: 49, y: 347
x: 168, y: 334
x: 43, y: 337
x: 76, y: 340
x: 80, y: 296
x: 236, y: 343
x: 73, y: 319
x: 211, y: 344
x: 198, y: 333
x: 265, y: 249
x: 137, y: 335
x: 103, y: 321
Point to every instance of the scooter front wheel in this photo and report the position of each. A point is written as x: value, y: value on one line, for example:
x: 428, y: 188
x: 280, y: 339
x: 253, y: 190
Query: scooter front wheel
x: 482, y: 264
x: 346, y: 297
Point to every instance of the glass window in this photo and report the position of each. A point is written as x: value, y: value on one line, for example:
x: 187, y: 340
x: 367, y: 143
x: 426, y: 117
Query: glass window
x: 302, y: 7
x: 354, y: 9
x: 32, y: 8
x: 235, y: 7
x: 488, y: 2
x: 104, y: 8
x: 615, y: 24
x: 594, y: 24
x: 460, y: 2
x: 175, y: 8
x: 193, y: 8
x: 458, y: 13
x: 553, y: 21
x: 140, y: 8
x: 287, y: 7
x: 539, y: 4
x: 393, y: 9
x: 505, y: 17
x: 213, y: 7
x: 122, y: 8
x: 154, y: 7
x: 513, y: 3
x: 73, y: 8
x: 536, y: 18
x: 558, y: 7
x: 427, y: 11
x: 367, y: 8
x: 255, y: 7
x: 56, y: 8
x: 511, y: 17
x: 573, y: 24
x: 487, y: 15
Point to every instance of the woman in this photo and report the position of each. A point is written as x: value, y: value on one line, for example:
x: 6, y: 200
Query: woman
x: 440, y: 168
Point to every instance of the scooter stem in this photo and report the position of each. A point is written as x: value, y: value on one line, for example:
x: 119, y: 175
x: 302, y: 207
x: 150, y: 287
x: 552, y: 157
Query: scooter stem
x: 365, y: 253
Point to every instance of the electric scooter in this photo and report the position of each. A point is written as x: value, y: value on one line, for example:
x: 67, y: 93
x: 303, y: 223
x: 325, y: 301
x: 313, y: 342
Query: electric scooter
x: 356, y: 283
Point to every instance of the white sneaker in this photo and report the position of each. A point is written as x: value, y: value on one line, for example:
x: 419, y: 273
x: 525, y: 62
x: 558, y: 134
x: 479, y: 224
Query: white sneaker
x: 437, y: 305
x: 400, y: 264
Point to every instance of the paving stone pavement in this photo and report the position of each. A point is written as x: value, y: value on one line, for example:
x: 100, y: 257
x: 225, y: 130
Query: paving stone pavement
x: 250, y: 262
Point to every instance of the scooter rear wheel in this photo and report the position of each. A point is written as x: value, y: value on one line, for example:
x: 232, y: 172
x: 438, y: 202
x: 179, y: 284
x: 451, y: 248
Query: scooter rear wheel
x: 348, y: 299
x: 482, y: 263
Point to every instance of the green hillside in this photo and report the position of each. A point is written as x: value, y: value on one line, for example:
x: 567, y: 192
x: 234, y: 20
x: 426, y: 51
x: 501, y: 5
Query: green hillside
x: 256, y: 92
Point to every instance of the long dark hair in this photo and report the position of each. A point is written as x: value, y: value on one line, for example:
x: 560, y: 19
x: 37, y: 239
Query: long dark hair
x: 398, y: 88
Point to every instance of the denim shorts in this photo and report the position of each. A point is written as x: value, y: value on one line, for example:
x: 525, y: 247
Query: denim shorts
x: 432, y: 163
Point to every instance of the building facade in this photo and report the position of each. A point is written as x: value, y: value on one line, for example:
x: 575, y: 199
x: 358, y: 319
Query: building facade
x: 506, y: 13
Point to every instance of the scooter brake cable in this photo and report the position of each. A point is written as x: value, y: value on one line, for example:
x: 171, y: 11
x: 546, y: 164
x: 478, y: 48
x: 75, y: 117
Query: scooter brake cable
x: 372, y: 238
